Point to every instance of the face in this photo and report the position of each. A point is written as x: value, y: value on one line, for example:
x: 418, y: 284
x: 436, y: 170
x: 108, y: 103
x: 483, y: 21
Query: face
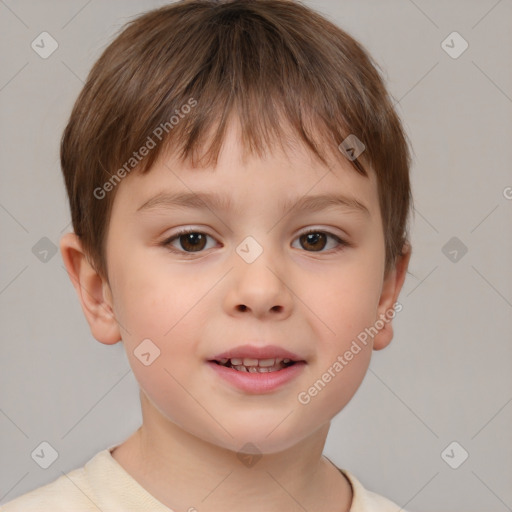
x: 265, y: 268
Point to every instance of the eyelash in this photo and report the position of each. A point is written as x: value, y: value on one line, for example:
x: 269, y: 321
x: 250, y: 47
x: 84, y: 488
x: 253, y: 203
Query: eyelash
x: 167, y: 242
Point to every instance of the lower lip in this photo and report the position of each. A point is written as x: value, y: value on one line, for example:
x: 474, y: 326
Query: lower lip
x: 258, y: 383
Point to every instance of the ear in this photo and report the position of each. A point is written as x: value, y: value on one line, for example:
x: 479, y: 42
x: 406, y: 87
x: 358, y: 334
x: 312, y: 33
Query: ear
x: 391, y: 287
x: 93, y: 291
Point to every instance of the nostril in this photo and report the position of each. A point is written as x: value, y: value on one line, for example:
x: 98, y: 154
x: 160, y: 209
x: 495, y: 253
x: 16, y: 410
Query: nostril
x: 242, y: 307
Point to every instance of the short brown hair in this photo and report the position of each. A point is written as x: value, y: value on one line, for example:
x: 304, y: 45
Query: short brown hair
x: 273, y: 63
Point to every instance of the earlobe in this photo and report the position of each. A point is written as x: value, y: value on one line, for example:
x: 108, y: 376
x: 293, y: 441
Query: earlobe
x: 391, y: 288
x: 93, y: 292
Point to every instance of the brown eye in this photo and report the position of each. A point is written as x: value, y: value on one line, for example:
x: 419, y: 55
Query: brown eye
x: 188, y: 242
x: 321, y: 241
x: 193, y: 241
x: 314, y: 241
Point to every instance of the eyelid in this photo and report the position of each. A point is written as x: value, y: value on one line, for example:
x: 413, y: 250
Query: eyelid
x: 319, y: 229
x: 340, y: 240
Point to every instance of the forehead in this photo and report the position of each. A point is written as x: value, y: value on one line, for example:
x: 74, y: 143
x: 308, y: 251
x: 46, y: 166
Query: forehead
x: 286, y: 172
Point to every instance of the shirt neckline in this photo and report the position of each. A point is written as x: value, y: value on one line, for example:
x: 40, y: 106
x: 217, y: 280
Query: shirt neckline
x: 143, y: 498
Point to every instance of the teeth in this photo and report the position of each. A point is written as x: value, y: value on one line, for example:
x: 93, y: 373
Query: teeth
x: 251, y: 365
x: 247, y: 361
x: 257, y: 369
x: 263, y: 363
x: 250, y: 362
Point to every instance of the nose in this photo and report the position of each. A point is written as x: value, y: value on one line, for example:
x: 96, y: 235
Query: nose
x: 259, y: 289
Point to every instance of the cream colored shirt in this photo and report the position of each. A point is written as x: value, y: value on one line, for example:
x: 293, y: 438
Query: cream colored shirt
x: 104, y: 485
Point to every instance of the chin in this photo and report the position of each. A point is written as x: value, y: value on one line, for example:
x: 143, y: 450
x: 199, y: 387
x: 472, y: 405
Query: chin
x: 261, y: 439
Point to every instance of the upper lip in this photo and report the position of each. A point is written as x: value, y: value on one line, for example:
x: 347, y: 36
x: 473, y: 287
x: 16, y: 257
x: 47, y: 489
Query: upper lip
x: 255, y: 352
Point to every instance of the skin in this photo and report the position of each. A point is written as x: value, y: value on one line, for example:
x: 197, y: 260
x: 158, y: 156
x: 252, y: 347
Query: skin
x: 311, y: 302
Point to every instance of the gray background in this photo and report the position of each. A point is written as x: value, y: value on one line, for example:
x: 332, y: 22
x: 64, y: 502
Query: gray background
x: 447, y: 375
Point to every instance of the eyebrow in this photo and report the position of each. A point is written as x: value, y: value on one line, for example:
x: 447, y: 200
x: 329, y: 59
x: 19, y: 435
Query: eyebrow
x: 205, y: 200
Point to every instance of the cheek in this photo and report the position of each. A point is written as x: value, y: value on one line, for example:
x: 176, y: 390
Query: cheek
x: 346, y: 301
x: 167, y: 307
x: 163, y: 366
x: 153, y: 299
x: 333, y: 387
x: 347, y: 307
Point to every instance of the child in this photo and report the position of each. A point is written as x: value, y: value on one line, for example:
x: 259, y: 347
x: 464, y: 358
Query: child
x: 239, y: 189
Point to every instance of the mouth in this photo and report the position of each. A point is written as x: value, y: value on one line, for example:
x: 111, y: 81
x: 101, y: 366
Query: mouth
x: 256, y: 369
x: 260, y: 372
x: 251, y: 365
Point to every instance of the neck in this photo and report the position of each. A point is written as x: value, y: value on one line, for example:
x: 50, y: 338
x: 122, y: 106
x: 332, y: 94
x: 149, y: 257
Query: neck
x: 185, y: 472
